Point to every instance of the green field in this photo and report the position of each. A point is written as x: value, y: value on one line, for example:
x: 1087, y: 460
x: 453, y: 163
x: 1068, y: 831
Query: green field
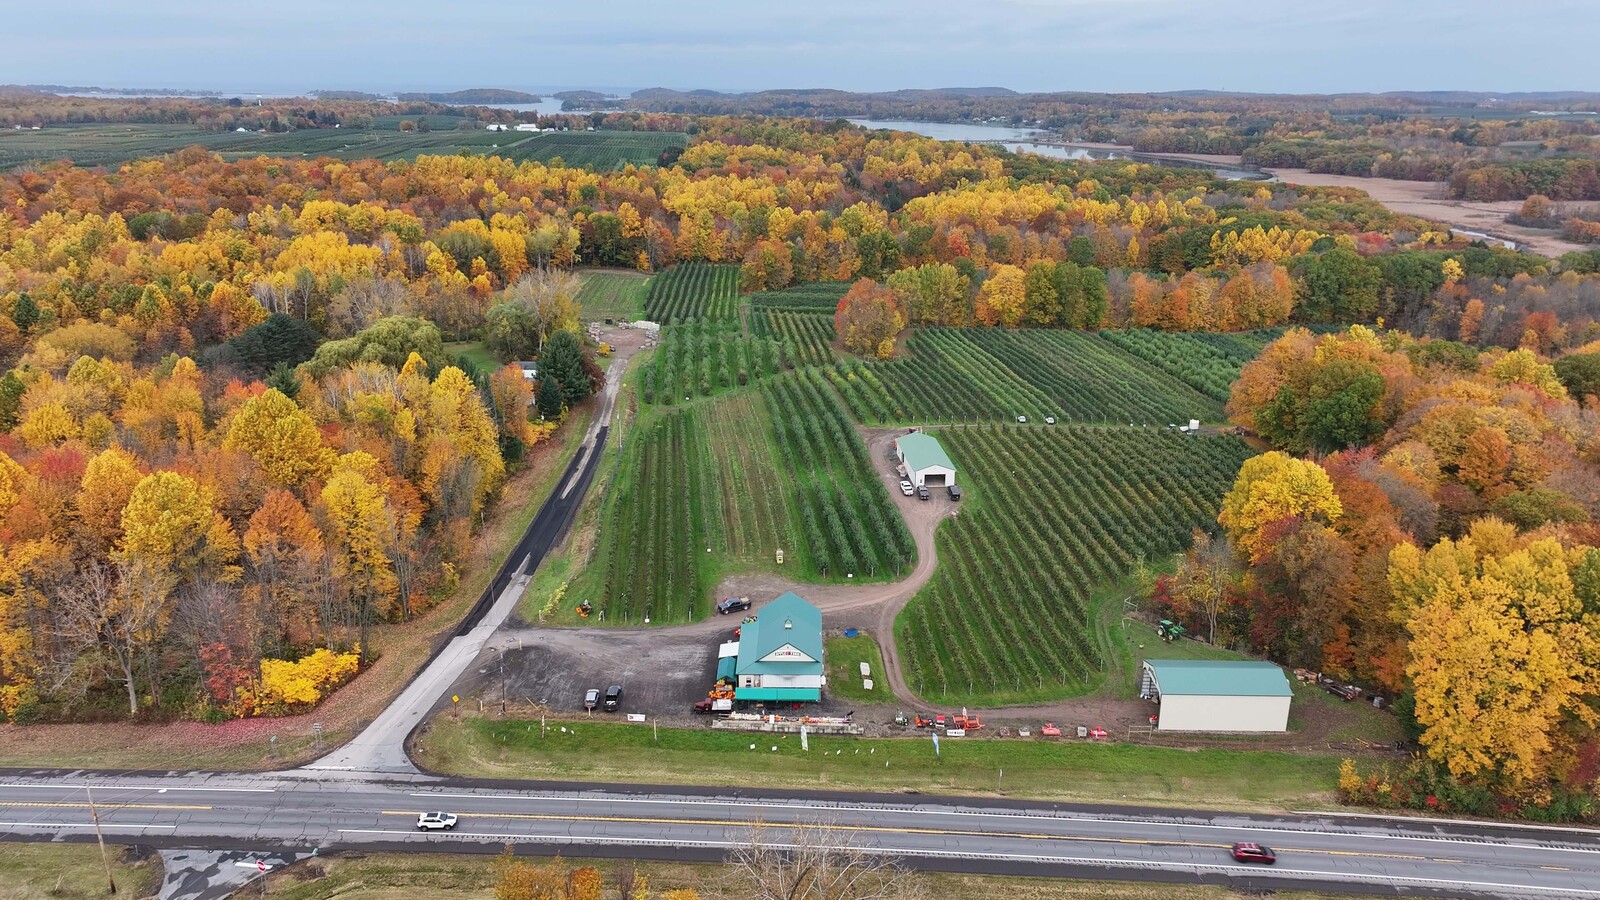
x: 982, y: 374
x: 806, y: 337
x: 1051, y: 514
x: 612, y: 295
x: 1034, y: 767
x: 598, y: 150
x: 693, y: 290
x: 845, y: 656
x: 1209, y: 363
x: 704, y: 356
x: 817, y: 296
x: 110, y: 145
x: 701, y: 477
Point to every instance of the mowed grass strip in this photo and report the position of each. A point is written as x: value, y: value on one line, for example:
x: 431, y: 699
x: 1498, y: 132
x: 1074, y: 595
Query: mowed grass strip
x: 612, y: 295
x: 1062, y: 769
x: 845, y: 656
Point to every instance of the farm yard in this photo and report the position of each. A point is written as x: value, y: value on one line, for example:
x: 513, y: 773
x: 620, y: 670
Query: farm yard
x: 973, y: 375
x: 612, y: 295
x: 693, y: 290
x: 113, y: 144
x: 1055, y: 512
x: 742, y: 475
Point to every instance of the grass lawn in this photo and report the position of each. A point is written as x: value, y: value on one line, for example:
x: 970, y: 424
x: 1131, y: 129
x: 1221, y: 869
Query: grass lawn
x: 1034, y: 767
x: 476, y: 353
x: 38, y: 871
x: 845, y: 656
x: 612, y: 294
x: 393, y: 876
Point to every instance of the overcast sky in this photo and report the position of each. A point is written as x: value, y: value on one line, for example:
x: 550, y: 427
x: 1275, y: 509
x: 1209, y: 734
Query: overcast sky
x: 1028, y: 45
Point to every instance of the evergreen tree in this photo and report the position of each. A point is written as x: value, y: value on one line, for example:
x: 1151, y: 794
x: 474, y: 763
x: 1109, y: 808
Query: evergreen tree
x: 25, y: 312
x: 563, y: 362
x: 11, y: 391
x: 550, y: 399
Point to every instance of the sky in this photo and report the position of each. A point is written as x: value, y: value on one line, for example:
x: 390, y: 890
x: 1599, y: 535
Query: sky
x: 292, y: 46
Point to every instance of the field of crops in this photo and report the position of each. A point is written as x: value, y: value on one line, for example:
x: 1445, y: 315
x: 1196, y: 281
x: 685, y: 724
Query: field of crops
x: 850, y: 525
x: 806, y: 337
x: 598, y: 150
x: 109, y: 145
x: 1051, y: 514
x: 705, y: 476
x: 701, y: 357
x: 612, y: 295
x: 692, y: 290
x: 818, y: 296
x: 970, y: 375
x: 1207, y: 362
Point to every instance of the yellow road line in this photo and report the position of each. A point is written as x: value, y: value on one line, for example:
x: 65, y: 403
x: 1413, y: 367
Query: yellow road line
x: 1025, y: 835
x: 105, y: 806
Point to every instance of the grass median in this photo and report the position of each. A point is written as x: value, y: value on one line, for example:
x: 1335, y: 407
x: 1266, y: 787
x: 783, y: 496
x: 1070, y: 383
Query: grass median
x: 585, y: 750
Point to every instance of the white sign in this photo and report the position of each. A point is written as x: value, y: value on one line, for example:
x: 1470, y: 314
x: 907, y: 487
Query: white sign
x: 787, y: 653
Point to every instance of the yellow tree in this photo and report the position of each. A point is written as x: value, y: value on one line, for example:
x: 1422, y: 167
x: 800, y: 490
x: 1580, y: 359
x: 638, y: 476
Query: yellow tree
x: 281, y: 437
x: 285, y: 552
x: 357, y: 518
x: 1003, y: 297
x: 1499, y: 654
x: 1272, y: 487
x: 108, y: 482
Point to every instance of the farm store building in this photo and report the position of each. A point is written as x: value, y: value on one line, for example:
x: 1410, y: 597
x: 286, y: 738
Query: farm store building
x: 780, y: 653
x: 926, y: 462
x: 1217, y: 695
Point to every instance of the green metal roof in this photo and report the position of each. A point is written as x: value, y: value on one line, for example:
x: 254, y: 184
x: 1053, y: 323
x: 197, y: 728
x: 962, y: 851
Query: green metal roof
x: 795, y: 695
x: 788, y: 620
x: 1219, y: 677
x: 922, y: 450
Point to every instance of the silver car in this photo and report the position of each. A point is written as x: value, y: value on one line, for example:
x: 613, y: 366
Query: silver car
x: 436, y: 821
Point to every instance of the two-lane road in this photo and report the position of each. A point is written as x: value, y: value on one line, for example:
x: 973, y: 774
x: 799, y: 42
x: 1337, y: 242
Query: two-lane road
x: 283, y: 811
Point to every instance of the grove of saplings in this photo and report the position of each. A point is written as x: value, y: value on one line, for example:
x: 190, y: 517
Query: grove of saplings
x: 184, y: 501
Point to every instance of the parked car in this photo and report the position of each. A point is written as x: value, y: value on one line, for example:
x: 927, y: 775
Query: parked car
x: 1246, y: 851
x: 922, y: 492
x: 591, y: 698
x: 906, y: 488
x: 613, y: 699
x: 1022, y: 420
x: 733, y: 604
x: 436, y: 821
x: 1049, y: 420
x: 955, y: 492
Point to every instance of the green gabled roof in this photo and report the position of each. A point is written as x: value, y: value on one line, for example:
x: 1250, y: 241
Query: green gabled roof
x: 767, y: 633
x: 1220, y: 677
x: 922, y: 450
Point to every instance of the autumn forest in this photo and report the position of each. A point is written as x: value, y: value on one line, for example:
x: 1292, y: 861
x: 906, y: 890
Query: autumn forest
x: 232, y: 440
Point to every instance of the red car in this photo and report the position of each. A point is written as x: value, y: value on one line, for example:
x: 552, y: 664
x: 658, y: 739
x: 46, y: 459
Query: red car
x: 1246, y: 851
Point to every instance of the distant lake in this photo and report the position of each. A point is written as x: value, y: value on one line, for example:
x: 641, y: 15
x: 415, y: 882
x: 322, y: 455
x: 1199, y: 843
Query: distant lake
x: 549, y: 106
x: 1019, y: 140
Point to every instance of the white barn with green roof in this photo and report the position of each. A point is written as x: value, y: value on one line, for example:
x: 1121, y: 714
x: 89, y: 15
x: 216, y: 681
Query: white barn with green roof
x: 1217, y: 695
x: 926, y: 462
x: 780, y: 653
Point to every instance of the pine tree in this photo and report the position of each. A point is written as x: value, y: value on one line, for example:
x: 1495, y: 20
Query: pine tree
x: 25, y: 312
x: 550, y: 399
x: 563, y: 362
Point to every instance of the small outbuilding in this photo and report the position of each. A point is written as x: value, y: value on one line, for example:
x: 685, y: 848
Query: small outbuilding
x: 1217, y: 695
x: 780, y: 653
x: 927, y: 465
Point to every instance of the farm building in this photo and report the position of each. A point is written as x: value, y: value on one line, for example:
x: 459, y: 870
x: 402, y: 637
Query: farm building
x: 530, y: 369
x: 780, y: 653
x: 926, y: 462
x: 1217, y: 695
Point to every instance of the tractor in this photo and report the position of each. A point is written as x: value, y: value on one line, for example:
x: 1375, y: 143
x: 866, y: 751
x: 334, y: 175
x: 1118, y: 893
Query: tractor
x: 1170, y: 631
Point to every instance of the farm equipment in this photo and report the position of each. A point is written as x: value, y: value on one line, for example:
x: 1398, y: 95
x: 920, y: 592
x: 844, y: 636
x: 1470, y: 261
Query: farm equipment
x: 714, y: 705
x: 1097, y: 733
x: 900, y: 718
x: 923, y: 722
x: 1169, y: 630
x: 585, y: 608
x: 968, y: 723
x: 1050, y: 730
x: 939, y: 720
x: 1343, y: 691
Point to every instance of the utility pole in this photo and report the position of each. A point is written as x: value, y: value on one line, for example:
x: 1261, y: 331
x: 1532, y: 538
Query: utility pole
x: 94, y: 816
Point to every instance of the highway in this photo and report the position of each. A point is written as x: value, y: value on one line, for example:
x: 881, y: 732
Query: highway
x: 289, y: 811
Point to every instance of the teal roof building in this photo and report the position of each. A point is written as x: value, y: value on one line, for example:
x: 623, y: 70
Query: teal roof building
x: 926, y: 462
x: 1217, y: 695
x: 780, y: 653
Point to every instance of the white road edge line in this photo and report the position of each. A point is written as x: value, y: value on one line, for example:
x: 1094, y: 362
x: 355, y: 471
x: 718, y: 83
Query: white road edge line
x: 1254, y: 829
x: 45, y: 826
x: 122, y: 787
x: 1271, y: 872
